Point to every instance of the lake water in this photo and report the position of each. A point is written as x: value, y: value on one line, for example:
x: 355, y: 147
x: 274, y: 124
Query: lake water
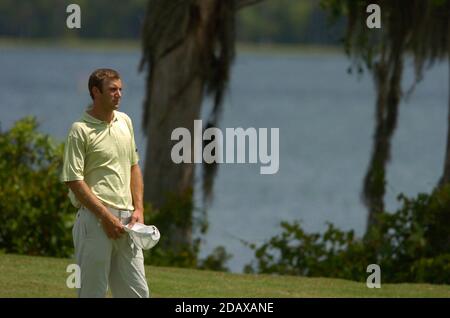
x: 325, y: 117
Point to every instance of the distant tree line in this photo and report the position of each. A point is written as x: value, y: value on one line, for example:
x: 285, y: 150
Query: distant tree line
x: 287, y: 21
x: 47, y: 19
x: 273, y: 21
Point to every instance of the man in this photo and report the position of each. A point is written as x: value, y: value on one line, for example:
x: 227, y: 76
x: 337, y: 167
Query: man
x: 105, y: 182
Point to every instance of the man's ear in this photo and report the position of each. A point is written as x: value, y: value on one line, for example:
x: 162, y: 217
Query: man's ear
x: 95, y: 91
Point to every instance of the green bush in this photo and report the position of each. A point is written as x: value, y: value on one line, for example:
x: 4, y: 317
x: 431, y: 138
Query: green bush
x: 294, y: 252
x: 410, y: 245
x: 173, y: 214
x: 432, y: 270
x: 176, y: 215
x: 35, y: 215
x: 216, y: 260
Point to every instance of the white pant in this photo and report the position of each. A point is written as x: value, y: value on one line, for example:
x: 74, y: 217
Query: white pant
x: 103, y: 261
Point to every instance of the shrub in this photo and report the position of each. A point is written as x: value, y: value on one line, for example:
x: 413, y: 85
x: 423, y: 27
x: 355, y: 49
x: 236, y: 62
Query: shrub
x: 410, y: 245
x: 172, y: 250
x: 35, y: 215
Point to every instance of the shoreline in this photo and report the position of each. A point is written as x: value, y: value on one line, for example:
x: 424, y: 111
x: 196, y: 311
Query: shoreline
x: 135, y: 45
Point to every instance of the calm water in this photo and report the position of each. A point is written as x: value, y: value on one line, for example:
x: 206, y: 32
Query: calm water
x: 325, y: 118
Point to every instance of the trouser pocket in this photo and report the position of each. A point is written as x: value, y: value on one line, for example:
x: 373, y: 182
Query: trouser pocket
x: 75, y: 230
x: 136, y: 251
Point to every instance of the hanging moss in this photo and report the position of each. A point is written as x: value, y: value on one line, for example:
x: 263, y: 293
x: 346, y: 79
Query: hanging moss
x: 414, y: 28
x: 170, y: 24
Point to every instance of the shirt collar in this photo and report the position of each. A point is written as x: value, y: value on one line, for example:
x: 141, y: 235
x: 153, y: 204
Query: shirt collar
x: 90, y: 119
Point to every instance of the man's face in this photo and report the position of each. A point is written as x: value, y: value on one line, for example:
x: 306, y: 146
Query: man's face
x: 112, y: 93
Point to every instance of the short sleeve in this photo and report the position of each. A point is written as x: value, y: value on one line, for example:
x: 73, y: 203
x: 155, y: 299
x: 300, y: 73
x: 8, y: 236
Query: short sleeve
x: 73, y: 162
x: 134, y: 151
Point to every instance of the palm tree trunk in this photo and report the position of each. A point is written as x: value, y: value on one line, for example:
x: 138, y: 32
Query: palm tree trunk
x: 388, y: 83
x: 176, y: 90
x: 180, y: 41
x: 188, y: 46
x: 165, y: 180
x: 374, y: 181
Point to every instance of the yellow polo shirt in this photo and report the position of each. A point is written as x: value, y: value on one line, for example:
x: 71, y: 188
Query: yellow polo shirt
x: 102, y: 154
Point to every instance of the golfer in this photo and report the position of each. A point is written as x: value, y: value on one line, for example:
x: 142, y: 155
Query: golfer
x: 105, y: 182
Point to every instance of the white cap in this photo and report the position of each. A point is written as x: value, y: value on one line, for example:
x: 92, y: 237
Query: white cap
x: 144, y: 236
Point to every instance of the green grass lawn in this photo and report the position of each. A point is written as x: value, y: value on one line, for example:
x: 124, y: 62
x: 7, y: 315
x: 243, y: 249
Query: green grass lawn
x: 26, y: 276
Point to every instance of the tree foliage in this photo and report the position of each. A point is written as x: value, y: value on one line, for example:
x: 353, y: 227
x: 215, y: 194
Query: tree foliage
x: 287, y: 21
x: 410, y: 245
x: 414, y: 28
x: 47, y: 19
x: 273, y: 21
x: 35, y: 215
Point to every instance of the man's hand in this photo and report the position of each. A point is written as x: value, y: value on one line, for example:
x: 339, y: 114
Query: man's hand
x: 138, y: 216
x: 112, y: 227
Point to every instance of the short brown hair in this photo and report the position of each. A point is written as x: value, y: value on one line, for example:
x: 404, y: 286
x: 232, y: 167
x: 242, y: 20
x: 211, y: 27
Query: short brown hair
x: 98, y: 76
